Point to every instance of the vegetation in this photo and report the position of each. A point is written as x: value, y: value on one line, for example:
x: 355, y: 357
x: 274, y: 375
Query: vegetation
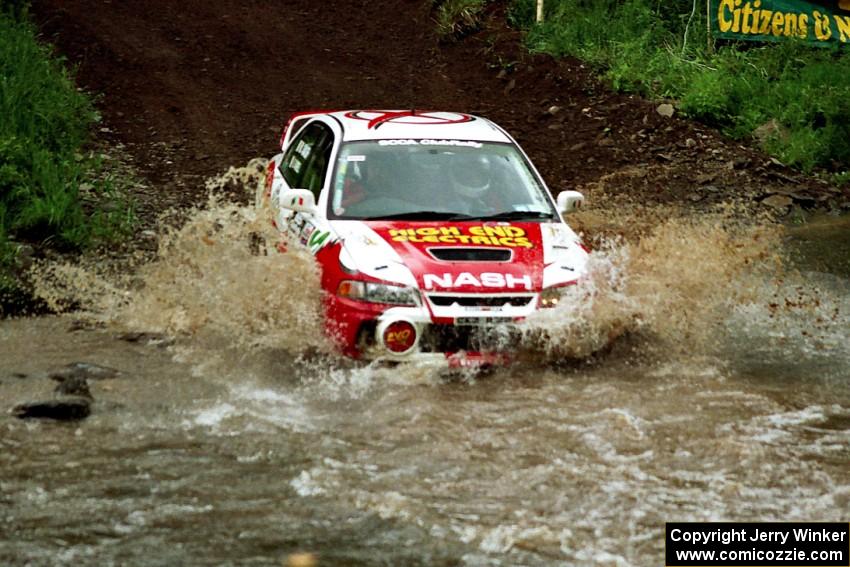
x: 793, y: 98
x: 44, y: 125
x: 798, y: 97
x: 458, y: 18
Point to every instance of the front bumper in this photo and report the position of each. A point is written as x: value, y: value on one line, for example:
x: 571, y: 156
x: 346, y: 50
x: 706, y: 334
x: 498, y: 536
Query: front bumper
x: 456, y: 329
x: 453, y: 360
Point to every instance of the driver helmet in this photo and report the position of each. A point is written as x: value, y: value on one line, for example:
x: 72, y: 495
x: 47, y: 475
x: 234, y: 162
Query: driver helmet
x: 379, y: 169
x: 471, y: 175
x: 430, y: 163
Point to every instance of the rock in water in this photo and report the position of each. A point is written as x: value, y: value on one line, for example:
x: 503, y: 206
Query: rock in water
x: 73, y: 401
x: 70, y: 408
x: 300, y: 560
x: 84, y: 370
x: 780, y: 204
x: 74, y: 386
x: 146, y: 337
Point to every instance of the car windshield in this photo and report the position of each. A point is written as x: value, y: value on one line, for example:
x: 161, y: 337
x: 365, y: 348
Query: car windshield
x: 435, y: 179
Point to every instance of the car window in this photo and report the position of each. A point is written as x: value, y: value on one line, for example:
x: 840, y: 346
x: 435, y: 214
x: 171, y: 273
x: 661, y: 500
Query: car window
x: 317, y: 165
x: 297, y: 124
x: 305, y: 161
x: 452, y: 177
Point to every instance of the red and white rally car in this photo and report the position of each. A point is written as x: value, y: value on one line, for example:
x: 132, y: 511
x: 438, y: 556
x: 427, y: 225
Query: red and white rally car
x: 434, y: 233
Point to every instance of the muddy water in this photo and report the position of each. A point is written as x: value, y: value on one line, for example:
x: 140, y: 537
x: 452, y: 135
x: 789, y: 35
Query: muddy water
x: 227, y: 447
x: 823, y: 243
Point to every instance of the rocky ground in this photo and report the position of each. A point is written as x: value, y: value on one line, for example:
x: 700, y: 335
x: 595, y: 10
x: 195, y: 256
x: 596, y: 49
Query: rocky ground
x: 191, y: 88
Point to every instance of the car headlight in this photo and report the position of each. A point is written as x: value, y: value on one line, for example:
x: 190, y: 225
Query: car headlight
x: 551, y: 296
x: 378, y: 292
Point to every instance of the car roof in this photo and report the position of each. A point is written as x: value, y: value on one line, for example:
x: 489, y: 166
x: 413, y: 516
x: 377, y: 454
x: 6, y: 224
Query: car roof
x: 416, y: 124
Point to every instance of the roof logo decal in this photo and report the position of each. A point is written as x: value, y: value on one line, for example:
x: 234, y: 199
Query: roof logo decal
x: 424, y: 118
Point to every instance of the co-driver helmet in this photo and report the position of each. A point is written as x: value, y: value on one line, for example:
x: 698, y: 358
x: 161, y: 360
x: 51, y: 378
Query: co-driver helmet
x: 471, y: 174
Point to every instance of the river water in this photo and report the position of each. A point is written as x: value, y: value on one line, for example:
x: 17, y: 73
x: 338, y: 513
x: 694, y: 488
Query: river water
x: 231, y: 437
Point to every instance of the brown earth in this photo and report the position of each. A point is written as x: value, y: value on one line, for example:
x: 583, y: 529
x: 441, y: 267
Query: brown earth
x: 193, y: 87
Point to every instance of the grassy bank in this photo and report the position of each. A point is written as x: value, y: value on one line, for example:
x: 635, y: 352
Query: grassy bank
x: 798, y: 95
x: 51, y: 189
x: 793, y: 99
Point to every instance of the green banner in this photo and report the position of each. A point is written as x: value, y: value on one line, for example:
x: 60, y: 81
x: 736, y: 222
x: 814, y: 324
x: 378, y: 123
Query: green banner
x: 819, y: 21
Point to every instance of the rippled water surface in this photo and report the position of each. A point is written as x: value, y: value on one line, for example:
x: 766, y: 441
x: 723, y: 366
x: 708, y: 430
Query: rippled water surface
x: 213, y: 450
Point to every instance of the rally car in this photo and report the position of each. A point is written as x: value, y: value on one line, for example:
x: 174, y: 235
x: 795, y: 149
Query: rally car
x: 435, y: 234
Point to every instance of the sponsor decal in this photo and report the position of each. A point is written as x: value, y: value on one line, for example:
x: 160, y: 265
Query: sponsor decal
x: 460, y: 143
x: 308, y: 235
x: 317, y: 239
x: 483, y: 235
x: 482, y: 321
x: 818, y: 22
x: 298, y: 224
x: 377, y: 117
x: 303, y: 148
x: 270, y: 178
x: 486, y: 279
x: 399, y: 337
x: 305, y: 235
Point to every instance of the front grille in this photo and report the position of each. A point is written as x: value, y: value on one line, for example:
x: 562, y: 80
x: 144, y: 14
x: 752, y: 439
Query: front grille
x: 451, y: 254
x: 482, y: 301
x: 451, y: 338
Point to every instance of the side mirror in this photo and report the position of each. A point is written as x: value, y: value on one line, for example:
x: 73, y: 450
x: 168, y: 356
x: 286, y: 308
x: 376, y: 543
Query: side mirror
x: 570, y: 201
x: 298, y: 200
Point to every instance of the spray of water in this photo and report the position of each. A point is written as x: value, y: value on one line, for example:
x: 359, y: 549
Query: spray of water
x: 218, y: 274
x: 674, y: 283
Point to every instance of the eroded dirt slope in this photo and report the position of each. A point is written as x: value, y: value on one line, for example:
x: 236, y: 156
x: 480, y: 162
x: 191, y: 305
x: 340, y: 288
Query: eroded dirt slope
x: 192, y: 87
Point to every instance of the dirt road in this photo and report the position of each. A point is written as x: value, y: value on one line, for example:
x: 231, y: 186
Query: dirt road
x: 194, y: 87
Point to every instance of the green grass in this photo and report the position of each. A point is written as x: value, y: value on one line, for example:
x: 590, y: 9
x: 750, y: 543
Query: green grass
x: 457, y: 18
x: 637, y: 45
x: 45, y: 123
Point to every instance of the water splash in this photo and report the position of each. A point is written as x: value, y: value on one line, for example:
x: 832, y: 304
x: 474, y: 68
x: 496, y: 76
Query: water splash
x: 675, y: 284
x: 216, y: 274
x: 207, y: 278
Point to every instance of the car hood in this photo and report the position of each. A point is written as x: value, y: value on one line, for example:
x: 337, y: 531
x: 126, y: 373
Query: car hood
x: 463, y: 257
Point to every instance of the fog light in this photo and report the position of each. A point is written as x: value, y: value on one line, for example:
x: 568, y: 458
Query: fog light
x: 552, y: 296
x: 399, y: 337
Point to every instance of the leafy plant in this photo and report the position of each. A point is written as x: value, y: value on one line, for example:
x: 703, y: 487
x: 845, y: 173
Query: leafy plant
x: 44, y: 124
x: 458, y: 18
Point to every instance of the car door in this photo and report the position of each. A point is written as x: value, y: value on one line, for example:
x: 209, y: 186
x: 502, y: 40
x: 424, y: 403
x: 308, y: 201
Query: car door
x: 305, y: 165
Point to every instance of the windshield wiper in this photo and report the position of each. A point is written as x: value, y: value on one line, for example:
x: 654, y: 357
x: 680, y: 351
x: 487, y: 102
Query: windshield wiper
x: 421, y: 215
x: 518, y: 215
